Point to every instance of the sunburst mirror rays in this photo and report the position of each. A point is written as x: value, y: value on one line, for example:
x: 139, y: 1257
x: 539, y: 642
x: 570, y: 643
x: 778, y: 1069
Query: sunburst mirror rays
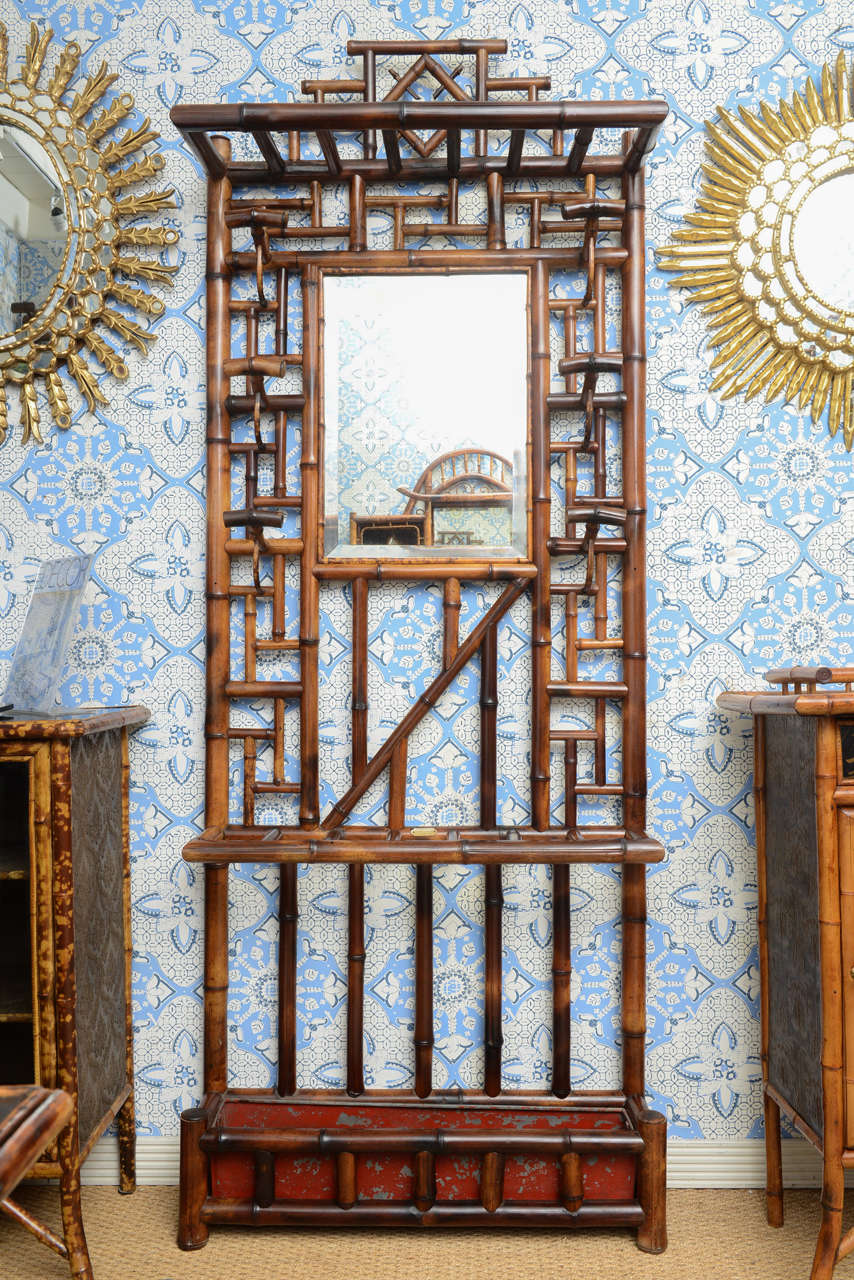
x: 69, y: 230
x: 769, y: 250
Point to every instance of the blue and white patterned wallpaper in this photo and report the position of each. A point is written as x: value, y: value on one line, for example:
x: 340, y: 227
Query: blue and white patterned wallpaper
x: 751, y: 562
x: 28, y: 268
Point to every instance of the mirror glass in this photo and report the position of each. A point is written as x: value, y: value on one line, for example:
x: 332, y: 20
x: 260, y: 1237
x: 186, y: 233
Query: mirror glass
x: 823, y: 241
x: 33, y: 227
x: 425, y: 416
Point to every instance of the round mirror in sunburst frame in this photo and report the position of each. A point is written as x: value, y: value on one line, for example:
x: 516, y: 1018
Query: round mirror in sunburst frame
x: 769, y: 250
x: 69, y: 231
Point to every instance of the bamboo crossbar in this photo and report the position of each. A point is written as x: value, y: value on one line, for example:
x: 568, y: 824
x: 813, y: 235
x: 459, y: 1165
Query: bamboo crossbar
x: 592, y: 1213
x: 278, y: 845
x: 438, y: 1141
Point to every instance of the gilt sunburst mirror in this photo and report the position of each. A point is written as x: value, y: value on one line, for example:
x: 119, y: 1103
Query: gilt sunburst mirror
x: 75, y: 240
x: 769, y: 250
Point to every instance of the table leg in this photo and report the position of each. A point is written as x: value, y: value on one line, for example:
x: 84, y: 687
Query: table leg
x: 773, y: 1164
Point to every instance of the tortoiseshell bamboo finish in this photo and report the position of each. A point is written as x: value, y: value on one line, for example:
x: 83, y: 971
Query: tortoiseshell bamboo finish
x: 562, y: 1158
x: 78, y: 865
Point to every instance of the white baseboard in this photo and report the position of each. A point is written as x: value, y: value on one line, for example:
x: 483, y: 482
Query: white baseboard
x: 693, y: 1163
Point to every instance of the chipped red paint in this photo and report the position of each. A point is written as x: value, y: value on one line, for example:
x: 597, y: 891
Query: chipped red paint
x: 388, y: 1178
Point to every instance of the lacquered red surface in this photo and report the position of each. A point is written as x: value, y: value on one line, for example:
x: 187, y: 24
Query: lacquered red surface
x: 389, y: 1179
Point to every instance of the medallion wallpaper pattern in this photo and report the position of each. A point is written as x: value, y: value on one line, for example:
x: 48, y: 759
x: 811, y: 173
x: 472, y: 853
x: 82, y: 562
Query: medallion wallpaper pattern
x: 751, y: 562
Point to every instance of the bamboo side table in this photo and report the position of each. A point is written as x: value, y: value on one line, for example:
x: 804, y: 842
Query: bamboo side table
x: 804, y: 791
x: 65, y: 947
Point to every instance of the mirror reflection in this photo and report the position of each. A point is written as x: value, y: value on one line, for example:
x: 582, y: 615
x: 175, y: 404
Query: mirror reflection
x: 425, y: 415
x: 33, y: 227
x: 823, y: 241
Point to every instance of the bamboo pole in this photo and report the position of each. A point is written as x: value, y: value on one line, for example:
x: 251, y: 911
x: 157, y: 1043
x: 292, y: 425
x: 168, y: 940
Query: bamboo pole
x: 541, y: 623
x: 634, y: 633
x: 832, y: 1047
x: 773, y: 1150
x: 218, y: 350
x: 493, y: 895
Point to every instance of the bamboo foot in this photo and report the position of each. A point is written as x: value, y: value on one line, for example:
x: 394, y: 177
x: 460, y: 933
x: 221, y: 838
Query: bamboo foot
x: 192, y: 1231
x: 773, y: 1165
x: 652, y: 1174
x: 828, y: 1243
x: 126, y: 1123
x: 72, y: 1224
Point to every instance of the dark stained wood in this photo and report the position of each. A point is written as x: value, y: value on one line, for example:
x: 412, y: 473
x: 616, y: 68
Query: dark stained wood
x: 805, y: 861
x: 423, y: 1037
x: 235, y: 1170
x: 194, y: 1175
x: 571, y: 1181
x: 288, y: 928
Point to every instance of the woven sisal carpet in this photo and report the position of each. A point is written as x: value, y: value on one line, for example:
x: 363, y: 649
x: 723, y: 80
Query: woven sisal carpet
x: 714, y: 1235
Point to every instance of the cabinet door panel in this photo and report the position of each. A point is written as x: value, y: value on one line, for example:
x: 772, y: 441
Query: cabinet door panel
x: 99, y: 956
x: 791, y: 866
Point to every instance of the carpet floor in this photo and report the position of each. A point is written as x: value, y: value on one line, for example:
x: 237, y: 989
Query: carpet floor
x: 714, y: 1235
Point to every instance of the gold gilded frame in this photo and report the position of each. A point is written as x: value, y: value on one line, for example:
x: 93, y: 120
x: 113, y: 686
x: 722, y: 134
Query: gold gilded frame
x: 774, y: 335
x: 96, y: 272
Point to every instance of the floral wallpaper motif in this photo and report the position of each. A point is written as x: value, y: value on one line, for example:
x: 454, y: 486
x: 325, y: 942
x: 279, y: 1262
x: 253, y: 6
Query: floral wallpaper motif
x: 751, y: 563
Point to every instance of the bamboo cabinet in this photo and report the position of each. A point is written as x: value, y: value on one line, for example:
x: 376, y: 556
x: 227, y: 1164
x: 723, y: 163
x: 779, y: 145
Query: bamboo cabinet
x: 804, y: 793
x: 65, y: 947
x: 389, y: 157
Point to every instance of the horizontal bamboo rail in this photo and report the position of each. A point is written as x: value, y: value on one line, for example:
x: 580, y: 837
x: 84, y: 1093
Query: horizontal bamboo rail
x: 280, y: 845
x: 438, y: 1141
x: 592, y: 1213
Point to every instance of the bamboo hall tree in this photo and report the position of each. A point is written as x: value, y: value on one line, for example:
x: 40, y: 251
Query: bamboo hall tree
x: 424, y: 1155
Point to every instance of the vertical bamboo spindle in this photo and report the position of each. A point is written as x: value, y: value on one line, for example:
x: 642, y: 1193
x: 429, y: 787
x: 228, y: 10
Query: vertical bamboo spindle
x: 356, y: 871
x: 359, y: 704
x: 288, y: 924
x: 541, y: 625
x: 397, y: 787
x: 345, y: 1170
x: 265, y: 1178
x: 571, y: 1182
x: 561, y: 981
x: 451, y: 620
x: 494, y: 900
x: 355, y: 979
x: 832, y: 1046
x: 309, y: 586
x: 773, y: 1149
x: 65, y: 997
x: 126, y: 1118
x: 492, y: 1181
x: 425, y: 1181
x: 423, y: 980
x: 495, y: 236
x: 218, y: 350
x: 634, y: 631
x: 358, y: 228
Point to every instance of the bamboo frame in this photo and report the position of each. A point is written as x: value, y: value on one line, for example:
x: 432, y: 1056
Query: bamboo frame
x: 392, y: 149
x: 53, y: 869
x: 834, y: 805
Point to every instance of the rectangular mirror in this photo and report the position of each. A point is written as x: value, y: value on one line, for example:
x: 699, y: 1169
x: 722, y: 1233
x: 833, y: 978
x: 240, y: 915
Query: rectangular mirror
x: 425, y: 416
